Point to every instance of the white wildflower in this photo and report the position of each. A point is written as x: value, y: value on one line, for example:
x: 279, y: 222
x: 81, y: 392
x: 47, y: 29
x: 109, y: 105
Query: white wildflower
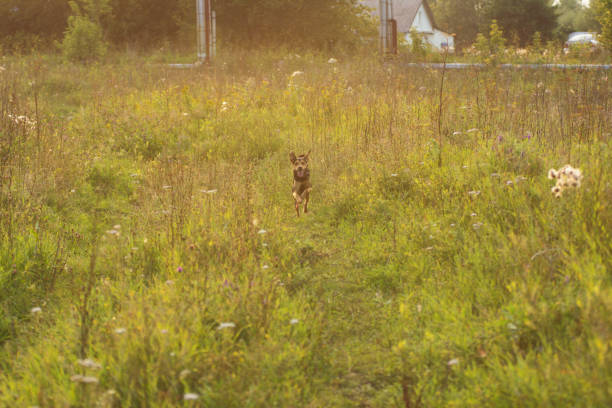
x: 226, y: 325
x: 35, y: 310
x: 297, y: 73
x: 265, y: 266
x: 474, y: 193
x: 89, y: 363
x: 453, y: 362
x: 120, y: 330
x: 262, y: 231
x: 477, y: 225
x: 84, y: 379
x: 332, y: 61
x: 191, y: 396
x: 293, y: 321
x: 512, y: 326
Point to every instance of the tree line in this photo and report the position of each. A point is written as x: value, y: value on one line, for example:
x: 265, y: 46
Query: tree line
x: 519, y: 19
x: 296, y: 23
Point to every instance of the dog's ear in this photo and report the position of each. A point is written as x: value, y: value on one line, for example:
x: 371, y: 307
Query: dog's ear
x: 292, y: 157
x: 308, y: 155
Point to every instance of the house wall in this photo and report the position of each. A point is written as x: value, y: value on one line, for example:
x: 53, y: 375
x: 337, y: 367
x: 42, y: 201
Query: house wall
x: 435, y: 39
x: 439, y: 37
x: 421, y: 21
x: 422, y: 24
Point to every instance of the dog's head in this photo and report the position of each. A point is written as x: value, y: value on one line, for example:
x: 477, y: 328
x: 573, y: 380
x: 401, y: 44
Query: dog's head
x: 300, y: 164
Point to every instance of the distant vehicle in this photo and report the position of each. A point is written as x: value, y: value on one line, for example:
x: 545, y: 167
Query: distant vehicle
x: 581, y: 38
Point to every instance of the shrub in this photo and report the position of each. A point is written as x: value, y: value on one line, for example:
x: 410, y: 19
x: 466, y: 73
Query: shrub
x: 83, y: 40
x: 418, y: 47
x: 492, y: 48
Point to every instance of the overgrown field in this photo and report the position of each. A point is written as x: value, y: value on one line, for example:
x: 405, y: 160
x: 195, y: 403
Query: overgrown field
x: 147, y: 224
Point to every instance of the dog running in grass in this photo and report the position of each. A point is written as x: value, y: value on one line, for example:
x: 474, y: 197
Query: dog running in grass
x: 301, y: 181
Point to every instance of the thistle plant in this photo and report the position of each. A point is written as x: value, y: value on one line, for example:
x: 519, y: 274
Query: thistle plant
x: 567, y: 177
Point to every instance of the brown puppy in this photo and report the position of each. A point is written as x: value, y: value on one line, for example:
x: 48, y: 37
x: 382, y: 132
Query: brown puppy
x: 301, y: 181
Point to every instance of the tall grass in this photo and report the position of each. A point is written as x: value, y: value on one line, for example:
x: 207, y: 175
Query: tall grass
x: 147, y: 212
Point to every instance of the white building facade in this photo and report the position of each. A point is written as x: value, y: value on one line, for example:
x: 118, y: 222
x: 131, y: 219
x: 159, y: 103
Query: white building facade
x: 415, y: 15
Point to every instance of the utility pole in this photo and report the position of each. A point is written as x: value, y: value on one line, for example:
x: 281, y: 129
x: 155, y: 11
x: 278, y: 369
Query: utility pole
x: 206, y: 30
x: 388, y: 27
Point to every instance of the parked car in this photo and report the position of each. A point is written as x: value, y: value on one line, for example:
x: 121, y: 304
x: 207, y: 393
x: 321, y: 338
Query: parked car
x: 581, y: 38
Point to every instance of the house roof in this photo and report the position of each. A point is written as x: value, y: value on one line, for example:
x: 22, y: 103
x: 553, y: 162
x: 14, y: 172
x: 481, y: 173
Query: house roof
x: 404, y: 12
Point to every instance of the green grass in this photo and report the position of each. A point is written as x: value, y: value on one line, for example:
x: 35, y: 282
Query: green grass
x: 147, y: 206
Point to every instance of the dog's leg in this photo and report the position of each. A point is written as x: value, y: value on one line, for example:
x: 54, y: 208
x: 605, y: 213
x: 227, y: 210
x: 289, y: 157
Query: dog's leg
x: 297, y: 197
x: 306, y: 198
x: 297, y: 208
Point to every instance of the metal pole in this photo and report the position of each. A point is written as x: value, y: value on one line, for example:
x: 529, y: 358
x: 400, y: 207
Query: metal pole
x: 208, y: 18
x: 214, y: 35
x: 382, y: 7
x: 201, y: 35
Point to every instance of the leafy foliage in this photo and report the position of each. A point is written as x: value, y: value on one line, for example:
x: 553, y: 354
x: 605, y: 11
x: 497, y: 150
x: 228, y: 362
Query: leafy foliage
x: 84, y: 40
x: 522, y: 18
x: 491, y: 48
x: 465, y: 18
x: 519, y: 19
x: 572, y: 16
x: 604, y: 16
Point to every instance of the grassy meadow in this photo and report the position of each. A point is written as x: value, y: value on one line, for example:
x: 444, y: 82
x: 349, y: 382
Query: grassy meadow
x: 150, y: 255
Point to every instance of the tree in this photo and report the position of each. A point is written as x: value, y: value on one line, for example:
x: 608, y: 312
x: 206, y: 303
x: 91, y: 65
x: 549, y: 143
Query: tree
x: 573, y: 16
x: 44, y: 19
x: 310, y: 23
x: 296, y: 23
x: 465, y: 18
x: 147, y: 22
x: 603, y: 13
x: 84, y: 38
x: 522, y: 18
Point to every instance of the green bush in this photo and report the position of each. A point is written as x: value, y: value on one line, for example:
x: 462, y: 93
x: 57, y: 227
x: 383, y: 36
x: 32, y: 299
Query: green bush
x: 84, y: 40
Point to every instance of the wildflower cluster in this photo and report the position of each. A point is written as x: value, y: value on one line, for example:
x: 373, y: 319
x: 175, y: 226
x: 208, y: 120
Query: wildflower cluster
x: 22, y: 120
x: 567, y: 177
